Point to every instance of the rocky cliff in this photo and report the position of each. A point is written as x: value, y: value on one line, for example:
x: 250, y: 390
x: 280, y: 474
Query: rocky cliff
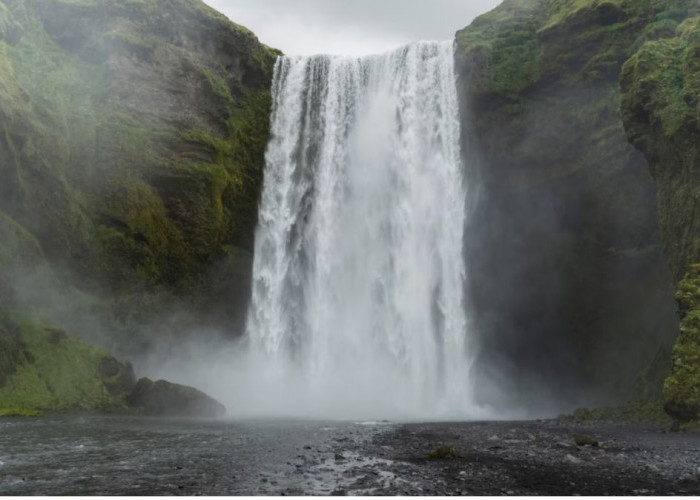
x: 660, y: 105
x: 572, y: 293
x: 132, y: 136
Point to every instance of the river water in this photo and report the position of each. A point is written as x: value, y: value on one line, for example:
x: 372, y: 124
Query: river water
x: 118, y: 455
x: 98, y: 455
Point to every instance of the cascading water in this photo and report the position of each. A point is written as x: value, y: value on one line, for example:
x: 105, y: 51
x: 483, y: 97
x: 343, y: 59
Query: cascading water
x: 358, y: 306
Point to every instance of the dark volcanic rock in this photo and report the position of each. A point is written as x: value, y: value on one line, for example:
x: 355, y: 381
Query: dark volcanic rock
x: 660, y: 95
x: 118, y: 377
x: 567, y: 276
x: 163, y: 398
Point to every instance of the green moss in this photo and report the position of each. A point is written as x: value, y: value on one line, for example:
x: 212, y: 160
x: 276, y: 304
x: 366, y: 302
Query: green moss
x: 125, y: 193
x: 218, y: 86
x: 563, y: 11
x: 17, y: 245
x: 633, y: 412
x: 660, y: 85
x: 540, y: 81
x: 132, y: 138
x: 19, y: 412
x: 505, y: 43
x: 59, y: 372
x: 138, y: 44
x: 11, y: 354
x: 682, y: 387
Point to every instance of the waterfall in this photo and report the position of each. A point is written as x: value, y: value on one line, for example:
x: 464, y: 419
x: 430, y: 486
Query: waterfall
x: 358, y: 286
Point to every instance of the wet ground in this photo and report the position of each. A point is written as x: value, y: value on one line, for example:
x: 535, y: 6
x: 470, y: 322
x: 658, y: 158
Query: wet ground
x: 80, y: 455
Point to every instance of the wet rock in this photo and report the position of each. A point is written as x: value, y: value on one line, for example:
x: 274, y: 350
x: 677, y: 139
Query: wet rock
x: 163, y: 398
x: 443, y: 452
x: 118, y: 377
x: 585, y: 440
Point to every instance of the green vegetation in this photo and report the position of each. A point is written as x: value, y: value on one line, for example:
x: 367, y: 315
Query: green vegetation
x: 634, y: 412
x: 682, y: 387
x: 50, y: 370
x: 540, y: 81
x: 513, y: 47
x: 660, y: 89
x: 132, y: 138
x: 130, y: 158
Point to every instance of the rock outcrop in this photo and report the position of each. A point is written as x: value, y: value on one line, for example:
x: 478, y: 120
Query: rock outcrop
x: 568, y: 278
x: 43, y: 368
x: 661, y: 109
x: 132, y: 137
x: 161, y: 398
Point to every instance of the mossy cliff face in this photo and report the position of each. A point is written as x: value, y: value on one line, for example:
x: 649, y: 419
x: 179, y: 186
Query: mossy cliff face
x: 46, y: 369
x: 43, y: 368
x: 568, y: 280
x: 660, y: 105
x: 132, y: 136
x: 682, y: 387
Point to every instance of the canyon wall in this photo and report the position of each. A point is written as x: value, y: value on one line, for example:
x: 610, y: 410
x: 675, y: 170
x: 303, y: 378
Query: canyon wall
x: 573, y: 297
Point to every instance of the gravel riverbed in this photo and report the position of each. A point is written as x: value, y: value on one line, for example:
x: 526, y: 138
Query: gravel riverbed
x: 86, y: 455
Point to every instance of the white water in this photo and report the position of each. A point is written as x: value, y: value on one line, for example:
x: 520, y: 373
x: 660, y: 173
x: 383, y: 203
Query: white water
x: 358, y: 307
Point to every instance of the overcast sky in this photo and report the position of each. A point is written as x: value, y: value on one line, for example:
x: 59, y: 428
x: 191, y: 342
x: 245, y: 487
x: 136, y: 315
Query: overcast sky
x: 350, y: 27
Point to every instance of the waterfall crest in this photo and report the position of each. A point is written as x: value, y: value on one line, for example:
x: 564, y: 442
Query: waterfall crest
x: 358, y: 287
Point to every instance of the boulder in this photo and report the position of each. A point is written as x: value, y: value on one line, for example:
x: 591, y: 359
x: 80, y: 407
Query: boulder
x: 118, y: 377
x: 162, y: 398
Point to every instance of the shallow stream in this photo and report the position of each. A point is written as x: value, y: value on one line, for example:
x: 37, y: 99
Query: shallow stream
x: 88, y: 455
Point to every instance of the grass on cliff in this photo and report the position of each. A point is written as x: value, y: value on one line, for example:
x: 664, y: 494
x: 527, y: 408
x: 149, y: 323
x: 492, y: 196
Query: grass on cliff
x: 133, y: 201
x: 510, y: 42
x: 58, y: 372
x: 634, y: 412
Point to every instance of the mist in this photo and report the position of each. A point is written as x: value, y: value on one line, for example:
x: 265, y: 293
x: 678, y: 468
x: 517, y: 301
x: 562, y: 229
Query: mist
x: 414, y: 259
x: 358, y: 308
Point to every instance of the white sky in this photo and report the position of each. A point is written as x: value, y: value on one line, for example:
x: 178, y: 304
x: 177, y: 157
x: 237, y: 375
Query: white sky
x: 350, y: 27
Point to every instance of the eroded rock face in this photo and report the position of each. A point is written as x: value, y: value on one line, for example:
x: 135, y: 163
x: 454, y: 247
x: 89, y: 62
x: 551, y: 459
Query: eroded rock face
x: 161, y: 398
x: 117, y: 376
x: 660, y: 106
x: 567, y: 275
x: 132, y: 137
